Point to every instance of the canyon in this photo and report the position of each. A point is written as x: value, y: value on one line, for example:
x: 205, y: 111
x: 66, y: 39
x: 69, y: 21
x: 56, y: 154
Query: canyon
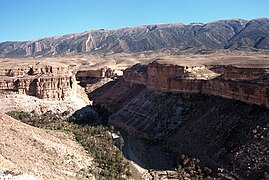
x: 217, y: 113
x: 58, y: 81
x: 213, y: 107
x: 145, y: 100
x: 157, y: 93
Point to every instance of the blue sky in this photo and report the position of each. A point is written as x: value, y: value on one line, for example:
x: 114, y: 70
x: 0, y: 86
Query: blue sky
x: 30, y: 19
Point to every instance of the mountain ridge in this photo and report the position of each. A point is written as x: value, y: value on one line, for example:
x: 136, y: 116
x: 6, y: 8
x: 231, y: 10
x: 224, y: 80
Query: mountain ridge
x: 220, y: 34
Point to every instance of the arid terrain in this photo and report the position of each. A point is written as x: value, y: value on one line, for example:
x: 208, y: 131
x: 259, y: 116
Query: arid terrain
x: 28, y: 152
x: 150, y: 102
x: 167, y: 101
x: 232, y: 34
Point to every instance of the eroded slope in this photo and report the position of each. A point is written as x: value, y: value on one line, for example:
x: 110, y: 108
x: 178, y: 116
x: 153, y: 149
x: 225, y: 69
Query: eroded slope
x: 223, y: 133
x: 42, y: 153
x: 232, y: 34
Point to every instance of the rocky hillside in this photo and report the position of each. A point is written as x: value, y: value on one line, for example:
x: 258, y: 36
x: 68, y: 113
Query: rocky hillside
x: 181, y: 108
x: 227, y: 135
x: 222, y: 34
x: 32, y: 153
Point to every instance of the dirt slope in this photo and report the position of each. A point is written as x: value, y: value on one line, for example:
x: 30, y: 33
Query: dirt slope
x: 41, y: 153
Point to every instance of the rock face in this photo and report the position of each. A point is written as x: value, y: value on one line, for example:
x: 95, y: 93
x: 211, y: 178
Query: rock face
x: 240, y: 74
x: 245, y: 84
x: 114, y: 95
x: 174, y: 105
x: 52, y: 83
x: 141, y: 107
x: 147, y: 115
x: 228, y: 34
x: 220, y: 132
x: 31, y: 70
x: 136, y: 74
x: 223, y: 133
x: 98, y: 73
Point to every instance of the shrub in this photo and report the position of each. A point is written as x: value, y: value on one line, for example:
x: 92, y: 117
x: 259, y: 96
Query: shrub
x: 65, y: 113
x: 95, y: 139
x: 189, y: 167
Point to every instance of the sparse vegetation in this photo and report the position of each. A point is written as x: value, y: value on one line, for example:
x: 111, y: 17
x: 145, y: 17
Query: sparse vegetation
x: 97, y: 141
x: 190, y: 168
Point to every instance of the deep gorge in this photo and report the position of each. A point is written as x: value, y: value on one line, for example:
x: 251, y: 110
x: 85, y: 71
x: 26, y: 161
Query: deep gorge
x: 223, y: 133
x: 168, y: 111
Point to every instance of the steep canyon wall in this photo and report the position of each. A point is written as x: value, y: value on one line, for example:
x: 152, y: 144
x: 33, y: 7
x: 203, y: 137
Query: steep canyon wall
x: 46, y: 82
x: 245, y: 84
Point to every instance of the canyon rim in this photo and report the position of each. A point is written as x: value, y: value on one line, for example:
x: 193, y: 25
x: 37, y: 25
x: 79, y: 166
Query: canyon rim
x: 161, y: 101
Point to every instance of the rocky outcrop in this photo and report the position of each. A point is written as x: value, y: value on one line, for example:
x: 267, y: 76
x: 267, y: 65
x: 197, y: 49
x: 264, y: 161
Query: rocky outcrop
x: 115, y: 94
x: 90, y: 73
x: 222, y: 34
x: 52, y: 83
x: 33, y: 70
x: 168, y: 77
x: 249, y: 92
x: 149, y: 115
x: 245, y: 84
x: 240, y: 74
x: 136, y: 74
x: 159, y: 75
x: 211, y: 125
x: 7, y: 84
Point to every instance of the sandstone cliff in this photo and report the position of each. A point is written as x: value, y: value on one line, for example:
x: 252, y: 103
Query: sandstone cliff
x: 221, y: 131
x: 241, y: 83
x: 45, y: 82
x: 151, y: 100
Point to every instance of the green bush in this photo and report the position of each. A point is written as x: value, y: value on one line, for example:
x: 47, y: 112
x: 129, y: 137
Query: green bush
x: 96, y: 140
x: 20, y: 115
x: 189, y: 167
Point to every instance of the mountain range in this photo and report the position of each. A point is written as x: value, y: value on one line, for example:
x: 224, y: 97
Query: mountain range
x: 222, y: 34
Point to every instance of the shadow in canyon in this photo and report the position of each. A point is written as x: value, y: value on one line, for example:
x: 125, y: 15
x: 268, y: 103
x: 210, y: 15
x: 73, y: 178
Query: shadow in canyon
x: 147, y: 154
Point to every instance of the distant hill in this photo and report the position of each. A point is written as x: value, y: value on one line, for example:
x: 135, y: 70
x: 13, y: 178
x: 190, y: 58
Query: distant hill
x: 222, y: 34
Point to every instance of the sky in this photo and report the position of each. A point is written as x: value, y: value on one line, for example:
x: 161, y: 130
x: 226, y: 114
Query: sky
x: 31, y: 19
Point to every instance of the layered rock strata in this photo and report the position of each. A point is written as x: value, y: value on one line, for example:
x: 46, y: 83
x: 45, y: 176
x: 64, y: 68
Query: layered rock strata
x: 45, y: 82
x: 98, y: 73
x: 173, y: 105
x: 149, y: 115
x: 240, y: 83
